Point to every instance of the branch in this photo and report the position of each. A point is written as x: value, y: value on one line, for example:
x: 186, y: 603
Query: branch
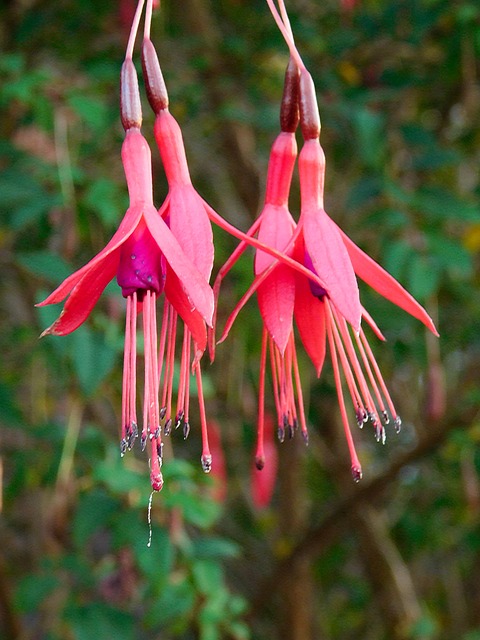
x: 320, y: 537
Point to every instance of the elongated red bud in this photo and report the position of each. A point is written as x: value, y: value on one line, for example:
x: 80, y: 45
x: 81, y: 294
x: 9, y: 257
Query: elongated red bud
x: 152, y: 74
x: 289, y: 109
x: 130, y: 105
x: 309, y: 115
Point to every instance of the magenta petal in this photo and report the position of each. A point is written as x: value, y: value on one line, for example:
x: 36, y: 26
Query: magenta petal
x: 124, y: 231
x: 374, y: 275
x: 332, y: 263
x: 197, y: 289
x: 191, y: 226
x: 84, y: 296
x: 310, y: 318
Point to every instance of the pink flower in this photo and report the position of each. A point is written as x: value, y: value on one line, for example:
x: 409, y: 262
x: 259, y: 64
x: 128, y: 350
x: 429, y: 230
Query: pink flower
x: 324, y: 306
x: 147, y: 259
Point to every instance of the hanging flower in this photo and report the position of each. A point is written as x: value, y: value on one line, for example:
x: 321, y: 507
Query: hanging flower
x: 147, y: 259
x: 322, y: 308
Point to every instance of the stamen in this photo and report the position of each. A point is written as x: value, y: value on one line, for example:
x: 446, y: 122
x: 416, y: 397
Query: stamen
x: 151, y: 410
x: 355, y: 394
x: 170, y: 361
x: 206, y: 455
x: 260, y: 452
x: 276, y: 393
x: 298, y: 385
x: 355, y: 463
x: 371, y: 377
x: 183, y: 386
x: 378, y: 373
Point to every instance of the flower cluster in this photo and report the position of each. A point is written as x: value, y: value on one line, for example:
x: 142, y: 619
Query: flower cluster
x: 304, y: 271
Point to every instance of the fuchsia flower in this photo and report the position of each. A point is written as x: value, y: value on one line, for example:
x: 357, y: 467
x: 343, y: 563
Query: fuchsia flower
x: 324, y: 308
x: 148, y: 259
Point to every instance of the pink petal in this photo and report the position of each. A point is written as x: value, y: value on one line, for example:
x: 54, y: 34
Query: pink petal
x: 191, y: 226
x: 197, y: 289
x: 84, y: 296
x: 332, y: 263
x: 137, y: 164
x: 374, y: 275
x: 276, y: 231
x: 276, y: 296
x: 310, y: 318
x: 179, y: 301
x: 280, y: 256
x: 124, y: 231
x: 168, y: 136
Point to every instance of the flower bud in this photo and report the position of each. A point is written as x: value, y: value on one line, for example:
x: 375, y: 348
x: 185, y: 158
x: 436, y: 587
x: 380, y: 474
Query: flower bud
x: 152, y: 74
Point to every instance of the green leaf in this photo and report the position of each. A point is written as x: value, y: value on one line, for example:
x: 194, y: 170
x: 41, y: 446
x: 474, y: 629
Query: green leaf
x: 364, y: 191
x: 93, y: 358
x: 32, y: 590
x: 118, y: 477
x: 396, y: 257
x: 104, y: 197
x: 451, y: 254
x: 201, y: 512
x: 45, y: 264
x: 424, y: 277
x: 155, y: 561
x: 208, y: 576
x: 101, y: 621
x: 441, y: 204
x: 92, y: 110
x: 207, y: 548
x: 369, y: 127
x: 175, y: 603
x: 94, y: 510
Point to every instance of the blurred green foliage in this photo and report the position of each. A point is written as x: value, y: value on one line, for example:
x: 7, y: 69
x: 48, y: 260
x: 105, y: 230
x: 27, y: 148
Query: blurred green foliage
x: 399, y: 94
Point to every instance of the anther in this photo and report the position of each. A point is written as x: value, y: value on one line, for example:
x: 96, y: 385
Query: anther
x: 162, y: 412
x: 398, y: 424
x: 178, y: 419
x: 160, y: 452
x: 361, y: 416
x: 206, y: 463
x: 123, y: 447
x: 186, y: 430
x: 357, y: 473
x: 280, y: 433
x: 385, y: 418
x: 167, y: 429
x: 143, y: 441
x: 305, y: 437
